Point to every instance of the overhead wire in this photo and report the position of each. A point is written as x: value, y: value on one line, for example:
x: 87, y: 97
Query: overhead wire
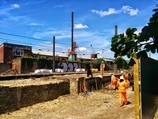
x: 24, y: 43
x: 22, y: 36
x: 30, y: 37
x: 37, y: 40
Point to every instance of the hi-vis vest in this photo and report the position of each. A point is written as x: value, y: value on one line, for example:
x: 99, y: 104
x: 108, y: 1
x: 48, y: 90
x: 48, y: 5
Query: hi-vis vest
x: 114, y: 81
x: 122, y: 86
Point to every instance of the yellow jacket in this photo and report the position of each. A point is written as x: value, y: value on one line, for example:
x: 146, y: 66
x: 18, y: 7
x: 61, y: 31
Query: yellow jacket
x: 122, y: 86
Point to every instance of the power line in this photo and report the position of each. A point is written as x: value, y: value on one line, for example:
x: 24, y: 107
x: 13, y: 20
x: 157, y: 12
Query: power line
x: 7, y: 40
x: 44, y: 46
x: 49, y: 48
x: 30, y: 44
x: 29, y: 37
x: 38, y: 40
x: 22, y: 36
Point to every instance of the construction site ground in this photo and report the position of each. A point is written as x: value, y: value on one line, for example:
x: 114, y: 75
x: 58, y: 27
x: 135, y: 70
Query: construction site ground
x: 101, y: 104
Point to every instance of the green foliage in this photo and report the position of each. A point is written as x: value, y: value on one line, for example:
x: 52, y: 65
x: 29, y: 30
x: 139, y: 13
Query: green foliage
x: 96, y: 63
x: 131, y: 62
x: 149, y: 32
x: 125, y: 44
x: 86, y: 62
x: 27, y: 60
x: 121, y: 63
x: 99, y: 60
x: 43, y: 62
x: 128, y: 43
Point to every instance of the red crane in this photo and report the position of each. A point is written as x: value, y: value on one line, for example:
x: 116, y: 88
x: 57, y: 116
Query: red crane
x: 93, y: 55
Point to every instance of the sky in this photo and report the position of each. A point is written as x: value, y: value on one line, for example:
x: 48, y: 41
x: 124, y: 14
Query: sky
x: 35, y: 23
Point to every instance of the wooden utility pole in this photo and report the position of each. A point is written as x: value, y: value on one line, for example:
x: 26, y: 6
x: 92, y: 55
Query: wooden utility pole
x: 136, y: 89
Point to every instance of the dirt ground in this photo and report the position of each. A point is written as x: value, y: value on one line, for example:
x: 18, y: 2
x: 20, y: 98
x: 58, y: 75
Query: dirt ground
x: 100, y: 104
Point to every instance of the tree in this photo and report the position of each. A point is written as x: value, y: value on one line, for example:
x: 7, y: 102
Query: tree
x: 98, y: 61
x: 150, y: 34
x: 121, y: 63
x: 125, y: 43
x: 128, y: 43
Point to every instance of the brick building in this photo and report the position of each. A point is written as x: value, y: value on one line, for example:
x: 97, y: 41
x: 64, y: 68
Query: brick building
x: 10, y: 56
x: 9, y: 52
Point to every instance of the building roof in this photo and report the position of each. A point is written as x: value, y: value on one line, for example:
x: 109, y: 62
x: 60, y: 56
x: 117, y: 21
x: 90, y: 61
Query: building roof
x: 109, y: 59
x: 11, y: 44
x: 64, y: 54
x: 61, y: 54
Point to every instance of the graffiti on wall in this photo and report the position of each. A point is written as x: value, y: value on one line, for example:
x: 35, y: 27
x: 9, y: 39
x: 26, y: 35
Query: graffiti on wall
x: 68, y: 66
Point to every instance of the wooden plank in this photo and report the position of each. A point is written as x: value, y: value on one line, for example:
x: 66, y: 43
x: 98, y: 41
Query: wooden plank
x: 136, y: 90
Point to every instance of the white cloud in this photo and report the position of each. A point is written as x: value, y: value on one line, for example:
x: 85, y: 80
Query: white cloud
x: 58, y: 6
x: 35, y: 24
x: 80, y: 26
x: 106, y: 13
x: 47, y: 33
x: 34, y: 2
x: 3, y: 2
x: 81, y: 49
x: 15, y: 6
x: 129, y: 10
x: 6, y: 10
x: 124, y: 9
x: 109, y: 51
x: 83, y: 40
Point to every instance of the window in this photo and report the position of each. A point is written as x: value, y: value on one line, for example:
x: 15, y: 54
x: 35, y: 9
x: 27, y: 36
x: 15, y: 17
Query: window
x: 17, y: 51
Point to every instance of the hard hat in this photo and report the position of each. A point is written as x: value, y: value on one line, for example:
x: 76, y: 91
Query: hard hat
x: 121, y: 77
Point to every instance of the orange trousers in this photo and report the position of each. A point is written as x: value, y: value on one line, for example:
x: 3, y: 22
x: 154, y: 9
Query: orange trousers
x: 123, y: 98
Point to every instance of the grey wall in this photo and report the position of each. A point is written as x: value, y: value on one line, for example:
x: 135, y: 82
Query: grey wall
x: 149, y: 84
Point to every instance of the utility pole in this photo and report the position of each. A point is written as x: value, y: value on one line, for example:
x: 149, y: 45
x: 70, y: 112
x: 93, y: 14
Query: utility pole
x: 72, y: 32
x: 72, y: 55
x: 115, y: 65
x: 116, y: 29
x: 53, y: 53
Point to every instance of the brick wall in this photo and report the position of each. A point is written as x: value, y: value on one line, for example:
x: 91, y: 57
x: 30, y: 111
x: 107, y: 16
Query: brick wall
x: 4, y: 67
x: 7, y: 55
x: 16, y: 65
x: 13, y: 98
x: 1, y: 54
x: 6, y: 52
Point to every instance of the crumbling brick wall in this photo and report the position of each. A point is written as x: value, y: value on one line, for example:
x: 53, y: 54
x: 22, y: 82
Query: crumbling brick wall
x: 13, y: 98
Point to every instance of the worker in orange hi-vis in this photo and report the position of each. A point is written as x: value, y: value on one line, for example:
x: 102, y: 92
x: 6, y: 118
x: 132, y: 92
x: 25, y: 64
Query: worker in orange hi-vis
x: 122, y: 91
x: 114, y: 81
x: 126, y: 77
x: 102, y: 67
x: 84, y: 88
